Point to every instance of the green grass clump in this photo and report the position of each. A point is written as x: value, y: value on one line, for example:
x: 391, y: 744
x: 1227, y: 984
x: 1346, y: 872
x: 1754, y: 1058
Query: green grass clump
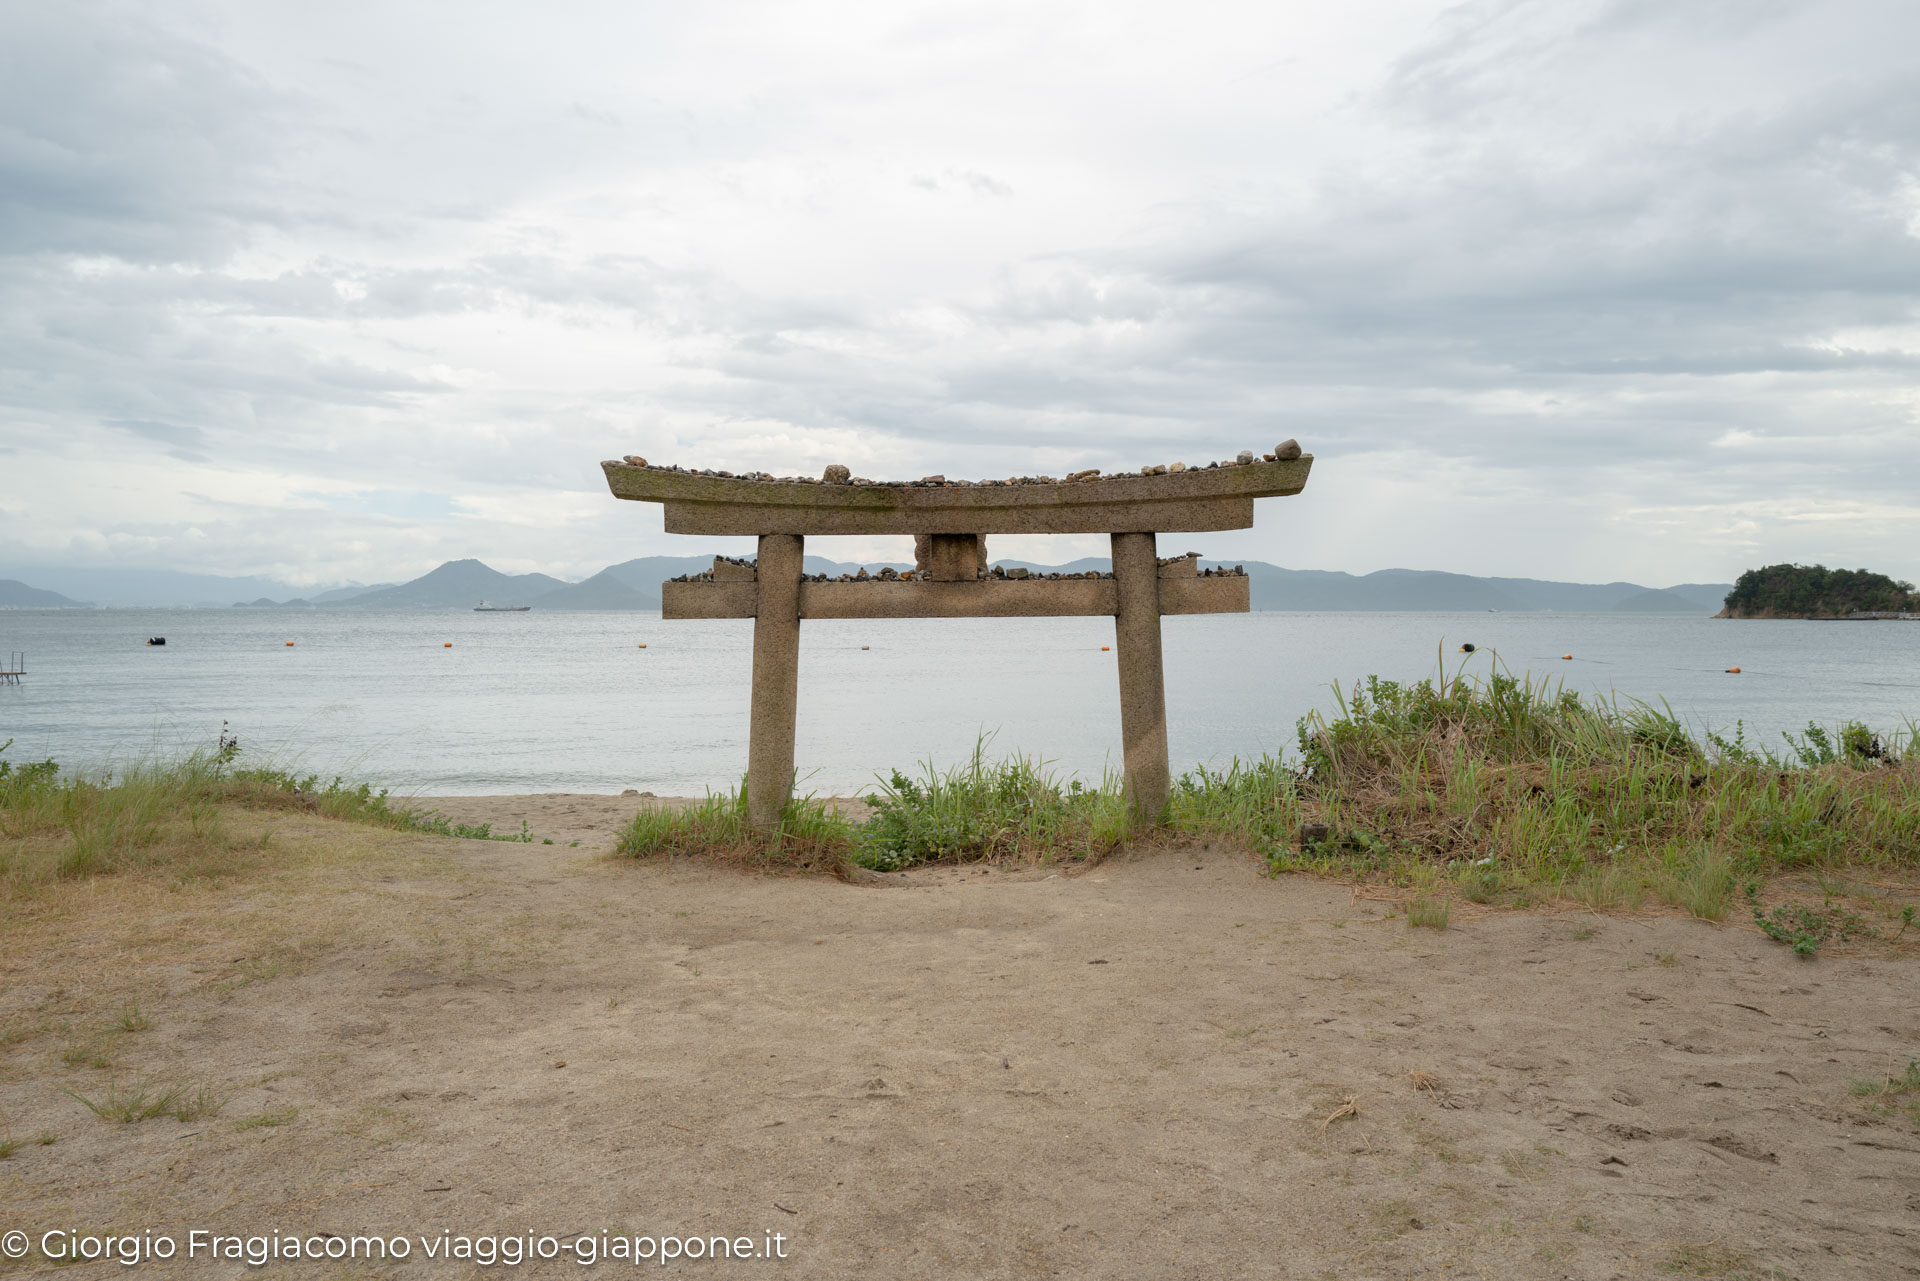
x: 53, y: 826
x: 810, y: 834
x: 1256, y: 803
x: 998, y: 811
x: 1700, y: 881
x: 144, y: 1101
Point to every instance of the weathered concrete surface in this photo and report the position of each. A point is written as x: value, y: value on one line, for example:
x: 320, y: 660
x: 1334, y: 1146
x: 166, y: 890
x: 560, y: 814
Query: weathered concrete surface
x: 709, y: 600
x: 1143, y: 698
x: 776, y: 677
x: 1223, y: 595
x: 986, y: 598
x: 1195, y: 500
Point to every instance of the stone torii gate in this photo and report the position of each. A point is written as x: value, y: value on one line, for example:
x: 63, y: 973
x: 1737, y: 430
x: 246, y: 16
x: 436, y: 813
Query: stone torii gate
x: 950, y: 521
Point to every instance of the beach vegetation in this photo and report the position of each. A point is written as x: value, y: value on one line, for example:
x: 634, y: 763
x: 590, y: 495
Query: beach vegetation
x: 172, y: 815
x: 1500, y: 790
x: 1013, y: 810
x: 1509, y: 782
x: 811, y: 833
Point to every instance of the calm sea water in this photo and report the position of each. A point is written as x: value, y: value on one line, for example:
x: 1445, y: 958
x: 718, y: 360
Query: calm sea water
x: 569, y: 702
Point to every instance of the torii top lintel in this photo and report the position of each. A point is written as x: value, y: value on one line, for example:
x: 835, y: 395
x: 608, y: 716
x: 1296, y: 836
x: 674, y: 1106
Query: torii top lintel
x: 1193, y: 500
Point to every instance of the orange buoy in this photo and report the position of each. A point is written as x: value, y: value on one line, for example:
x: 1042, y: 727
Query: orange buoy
x: 1733, y: 671
x: 446, y: 645
x: 643, y: 644
x: 866, y: 647
x: 1567, y: 657
x: 1105, y: 648
x: 289, y: 644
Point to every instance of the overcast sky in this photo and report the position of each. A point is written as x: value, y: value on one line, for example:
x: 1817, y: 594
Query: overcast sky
x: 1580, y: 289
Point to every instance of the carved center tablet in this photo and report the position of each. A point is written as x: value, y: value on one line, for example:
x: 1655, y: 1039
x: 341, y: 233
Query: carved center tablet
x: 950, y: 558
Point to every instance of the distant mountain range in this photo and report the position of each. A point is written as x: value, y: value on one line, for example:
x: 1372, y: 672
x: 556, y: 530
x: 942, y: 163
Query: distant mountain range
x: 635, y: 584
x: 165, y: 587
x: 17, y: 595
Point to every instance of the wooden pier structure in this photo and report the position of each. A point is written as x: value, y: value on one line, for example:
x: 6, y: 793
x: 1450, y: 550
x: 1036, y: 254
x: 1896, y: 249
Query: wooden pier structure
x: 16, y: 668
x: 950, y: 521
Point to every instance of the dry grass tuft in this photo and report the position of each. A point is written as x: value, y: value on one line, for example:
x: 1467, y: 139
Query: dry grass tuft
x: 1346, y: 1111
x: 1428, y: 1083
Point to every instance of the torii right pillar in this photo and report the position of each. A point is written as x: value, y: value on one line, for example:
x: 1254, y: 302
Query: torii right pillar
x: 1143, y: 687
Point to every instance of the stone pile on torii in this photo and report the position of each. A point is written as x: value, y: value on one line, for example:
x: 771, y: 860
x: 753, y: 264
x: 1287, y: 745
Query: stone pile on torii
x: 950, y: 521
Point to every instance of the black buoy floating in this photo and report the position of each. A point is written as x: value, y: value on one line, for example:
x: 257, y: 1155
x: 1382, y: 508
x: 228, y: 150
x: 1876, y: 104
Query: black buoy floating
x: 156, y: 640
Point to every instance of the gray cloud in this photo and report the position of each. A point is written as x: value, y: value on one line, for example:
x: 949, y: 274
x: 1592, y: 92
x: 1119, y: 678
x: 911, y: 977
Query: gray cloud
x: 120, y: 138
x: 1633, y: 277
x: 185, y: 443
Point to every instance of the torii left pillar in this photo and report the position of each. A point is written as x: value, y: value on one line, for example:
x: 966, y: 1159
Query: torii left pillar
x: 776, y: 679
x: 1143, y: 688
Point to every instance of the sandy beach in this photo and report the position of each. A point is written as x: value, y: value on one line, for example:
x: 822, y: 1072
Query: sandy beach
x: 1166, y: 1065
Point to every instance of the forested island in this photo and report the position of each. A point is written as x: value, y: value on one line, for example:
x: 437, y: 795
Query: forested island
x: 1814, y: 591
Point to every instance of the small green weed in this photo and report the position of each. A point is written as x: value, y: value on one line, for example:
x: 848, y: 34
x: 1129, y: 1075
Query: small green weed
x: 143, y: 1101
x: 1802, y: 928
x: 435, y: 823
x: 1429, y: 913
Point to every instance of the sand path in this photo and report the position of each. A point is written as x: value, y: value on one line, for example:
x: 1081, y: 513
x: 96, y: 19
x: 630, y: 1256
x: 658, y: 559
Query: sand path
x: 1122, y: 1073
